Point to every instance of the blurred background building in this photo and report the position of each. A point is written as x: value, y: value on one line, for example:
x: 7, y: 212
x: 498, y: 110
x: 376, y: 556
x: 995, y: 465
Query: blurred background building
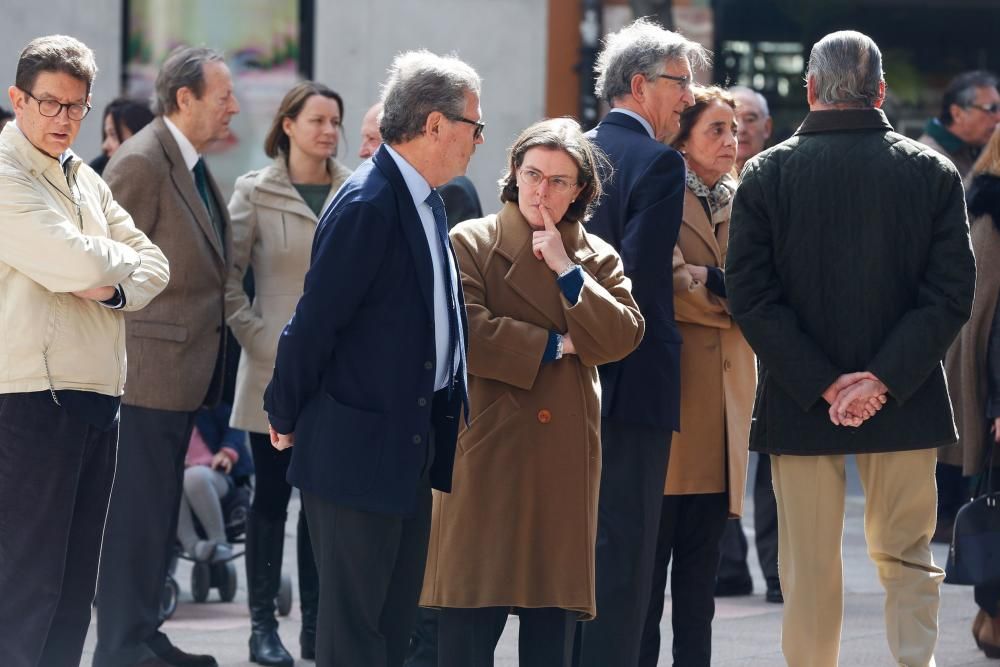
x: 535, y: 56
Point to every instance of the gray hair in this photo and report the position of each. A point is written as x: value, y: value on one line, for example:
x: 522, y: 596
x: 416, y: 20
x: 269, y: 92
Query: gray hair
x: 55, y: 53
x: 846, y: 67
x: 183, y: 68
x: 643, y: 47
x: 962, y: 91
x: 419, y: 83
x: 761, y: 100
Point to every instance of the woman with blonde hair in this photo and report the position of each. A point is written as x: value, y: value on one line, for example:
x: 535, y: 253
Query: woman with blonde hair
x: 274, y: 214
x: 973, y: 363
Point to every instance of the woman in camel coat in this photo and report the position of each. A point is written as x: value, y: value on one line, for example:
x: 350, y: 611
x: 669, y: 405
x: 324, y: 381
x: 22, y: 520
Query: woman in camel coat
x: 706, y: 473
x: 547, y: 303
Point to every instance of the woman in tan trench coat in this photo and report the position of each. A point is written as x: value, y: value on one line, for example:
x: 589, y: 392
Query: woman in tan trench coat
x: 706, y: 473
x: 547, y: 303
x: 274, y: 214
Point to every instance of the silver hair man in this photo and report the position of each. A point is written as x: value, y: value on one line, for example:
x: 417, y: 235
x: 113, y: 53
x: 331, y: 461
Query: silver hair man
x: 184, y: 68
x: 642, y: 47
x: 420, y: 82
x: 846, y: 68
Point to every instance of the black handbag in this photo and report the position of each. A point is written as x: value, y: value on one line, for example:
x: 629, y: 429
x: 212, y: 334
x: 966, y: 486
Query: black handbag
x: 974, y: 556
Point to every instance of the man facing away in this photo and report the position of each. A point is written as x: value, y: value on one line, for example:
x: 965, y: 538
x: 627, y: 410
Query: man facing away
x: 71, y: 261
x: 644, y: 73
x: 176, y: 347
x: 850, y: 272
x: 369, y: 381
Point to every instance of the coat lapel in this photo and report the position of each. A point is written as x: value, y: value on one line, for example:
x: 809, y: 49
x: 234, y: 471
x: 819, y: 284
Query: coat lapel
x: 413, y: 228
x: 184, y: 182
x: 697, y: 221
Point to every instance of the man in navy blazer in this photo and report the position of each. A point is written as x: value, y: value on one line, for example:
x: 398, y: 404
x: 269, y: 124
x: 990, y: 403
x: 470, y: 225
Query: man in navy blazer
x: 369, y: 381
x: 644, y: 73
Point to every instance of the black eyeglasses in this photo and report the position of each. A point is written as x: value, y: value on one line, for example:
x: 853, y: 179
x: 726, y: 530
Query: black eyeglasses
x: 683, y: 81
x: 988, y: 108
x: 480, y: 126
x: 52, y: 108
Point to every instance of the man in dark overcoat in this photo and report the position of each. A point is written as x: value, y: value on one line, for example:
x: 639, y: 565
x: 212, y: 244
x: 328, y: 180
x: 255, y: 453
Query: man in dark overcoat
x: 850, y: 272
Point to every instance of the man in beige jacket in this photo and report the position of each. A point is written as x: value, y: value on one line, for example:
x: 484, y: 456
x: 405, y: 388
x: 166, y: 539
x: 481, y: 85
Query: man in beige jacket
x: 71, y: 260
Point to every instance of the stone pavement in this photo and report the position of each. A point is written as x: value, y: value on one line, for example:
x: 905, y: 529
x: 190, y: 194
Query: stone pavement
x: 746, y: 630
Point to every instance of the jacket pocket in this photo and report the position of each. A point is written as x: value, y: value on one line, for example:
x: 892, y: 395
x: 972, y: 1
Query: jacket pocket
x: 485, y: 425
x: 356, y: 442
x: 158, y: 330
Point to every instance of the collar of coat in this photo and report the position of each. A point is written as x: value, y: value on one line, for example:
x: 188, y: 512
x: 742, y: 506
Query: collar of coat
x: 514, y: 236
x: 941, y: 134
x: 274, y: 188
x: 36, y: 161
x: 841, y: 120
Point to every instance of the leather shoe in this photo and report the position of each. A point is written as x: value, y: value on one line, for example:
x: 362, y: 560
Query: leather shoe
x: 266, y: 649
x: 977, y: 625
x: 773, y: 593
x: 725, y: 588
x: 988, y: 637
x: 174, y: 657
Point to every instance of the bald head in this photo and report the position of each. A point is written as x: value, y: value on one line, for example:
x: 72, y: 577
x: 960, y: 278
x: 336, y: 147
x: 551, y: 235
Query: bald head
x: 371, y: 138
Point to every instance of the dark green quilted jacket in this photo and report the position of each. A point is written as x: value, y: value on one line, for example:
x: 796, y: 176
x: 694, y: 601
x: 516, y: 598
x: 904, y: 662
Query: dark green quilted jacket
x: 849, y: 250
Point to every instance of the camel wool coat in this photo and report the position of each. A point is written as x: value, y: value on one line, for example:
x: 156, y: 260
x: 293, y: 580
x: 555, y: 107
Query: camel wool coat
x: 718, y: 371
x: 520, y: 525
x: 273, y: 231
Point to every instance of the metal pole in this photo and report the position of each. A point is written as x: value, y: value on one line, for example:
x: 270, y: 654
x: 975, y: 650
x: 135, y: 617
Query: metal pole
x: 590, y: 44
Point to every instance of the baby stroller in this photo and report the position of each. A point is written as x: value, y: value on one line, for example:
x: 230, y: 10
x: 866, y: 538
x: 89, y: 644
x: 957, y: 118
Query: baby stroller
x: 221, y: 575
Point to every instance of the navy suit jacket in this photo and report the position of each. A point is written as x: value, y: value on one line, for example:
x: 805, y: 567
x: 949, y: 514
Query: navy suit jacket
x: 640, y: 215
x: 354, y: 374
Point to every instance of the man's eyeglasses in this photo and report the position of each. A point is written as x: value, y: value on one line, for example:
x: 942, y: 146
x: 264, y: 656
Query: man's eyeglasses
x: 52, y: 108
x: 480, y: 126
x: 684, y: 82
x: 559, y: 184
x: 987, y: 108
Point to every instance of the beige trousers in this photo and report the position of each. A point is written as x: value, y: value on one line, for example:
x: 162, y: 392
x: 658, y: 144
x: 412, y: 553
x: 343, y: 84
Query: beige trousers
x: 900, y: 515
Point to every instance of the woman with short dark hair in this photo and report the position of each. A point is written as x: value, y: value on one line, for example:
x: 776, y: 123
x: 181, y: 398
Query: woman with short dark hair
x: 547, y: 303
x: 274, y: 214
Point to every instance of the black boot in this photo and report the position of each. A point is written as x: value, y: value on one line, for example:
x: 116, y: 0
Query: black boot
x: 308, y: 589
x: 265, y: 543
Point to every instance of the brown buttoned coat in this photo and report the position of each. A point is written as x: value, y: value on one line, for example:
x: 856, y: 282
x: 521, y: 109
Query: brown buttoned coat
x: 520, y: 525
x: 718, y: 371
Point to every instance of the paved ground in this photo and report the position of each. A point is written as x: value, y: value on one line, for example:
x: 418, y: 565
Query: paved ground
x: 746, y: 629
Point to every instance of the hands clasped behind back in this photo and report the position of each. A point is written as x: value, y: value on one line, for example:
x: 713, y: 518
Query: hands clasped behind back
x: 855, y: 398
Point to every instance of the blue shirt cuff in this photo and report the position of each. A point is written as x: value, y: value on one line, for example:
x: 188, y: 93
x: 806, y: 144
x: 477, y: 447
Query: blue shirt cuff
x: 571, y: 284
x: 551, y: 347
x: 716, y: 282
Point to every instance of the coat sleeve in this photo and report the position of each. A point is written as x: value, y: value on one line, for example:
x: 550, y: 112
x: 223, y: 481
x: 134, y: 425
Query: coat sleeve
x: 153, y: 272
x: 604, y: 323
x: 50, y: 248
x: 500, y: 348
x: 919, y: 341
x: 247, y: 326
x: 348, y: 249
x: 758, y: 304
x: 693, y: 302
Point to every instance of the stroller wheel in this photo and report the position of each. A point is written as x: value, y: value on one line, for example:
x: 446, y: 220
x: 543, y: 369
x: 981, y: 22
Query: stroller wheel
x: 168, y: 603
x: 227, y: 581
x: 201, y: 581
x: 284, y: 599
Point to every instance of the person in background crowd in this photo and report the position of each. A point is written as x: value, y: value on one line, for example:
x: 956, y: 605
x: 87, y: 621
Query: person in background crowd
x: 753, y: 119
x: 274, y: 213
x: 67, y: 271
x: 973, y: 363
x: 216, y: 460
x: 644, y: 73
x: 970, y: 110
x: 369, y: 380
x: 707, y: 470
x: 5, y: 116
x: 844, y: 315
x: 178, y: 347
x: 547, y: 304
x: 122, y: 118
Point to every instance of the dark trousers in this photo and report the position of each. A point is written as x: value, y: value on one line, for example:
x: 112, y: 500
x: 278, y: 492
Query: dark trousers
x: 733, y: 561
x: 371, y: 570
x: 56, y: 474
x: 953, y: 491
x: 634, y: 467
x: 690, y: 528
x: 142, y: 529
x: 468, y: 637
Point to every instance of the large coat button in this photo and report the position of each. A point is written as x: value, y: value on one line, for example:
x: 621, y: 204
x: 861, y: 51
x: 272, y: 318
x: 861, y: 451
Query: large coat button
x: 544, y: 416
x: 417, y: 440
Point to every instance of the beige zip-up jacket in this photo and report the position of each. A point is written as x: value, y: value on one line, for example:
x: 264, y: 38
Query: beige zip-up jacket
x: 58, y: 237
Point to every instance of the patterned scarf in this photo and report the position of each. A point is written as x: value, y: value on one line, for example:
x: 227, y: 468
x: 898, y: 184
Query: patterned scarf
x: 718, y: 197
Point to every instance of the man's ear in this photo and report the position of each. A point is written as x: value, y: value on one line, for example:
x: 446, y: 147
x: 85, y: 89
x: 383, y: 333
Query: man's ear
x: 811, y: 95
x: 432, y: 126
x: 16, y: 98
x: 638, y: 87
x: 880, y: 100
x: 184, y: 96
x: 768, y: 127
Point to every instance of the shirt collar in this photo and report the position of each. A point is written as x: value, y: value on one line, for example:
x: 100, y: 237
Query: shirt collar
x: 642, y: 121
x: 941, y: 134
x: 67, y: 154
x: 188, y: 151
x: 417, y: 185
